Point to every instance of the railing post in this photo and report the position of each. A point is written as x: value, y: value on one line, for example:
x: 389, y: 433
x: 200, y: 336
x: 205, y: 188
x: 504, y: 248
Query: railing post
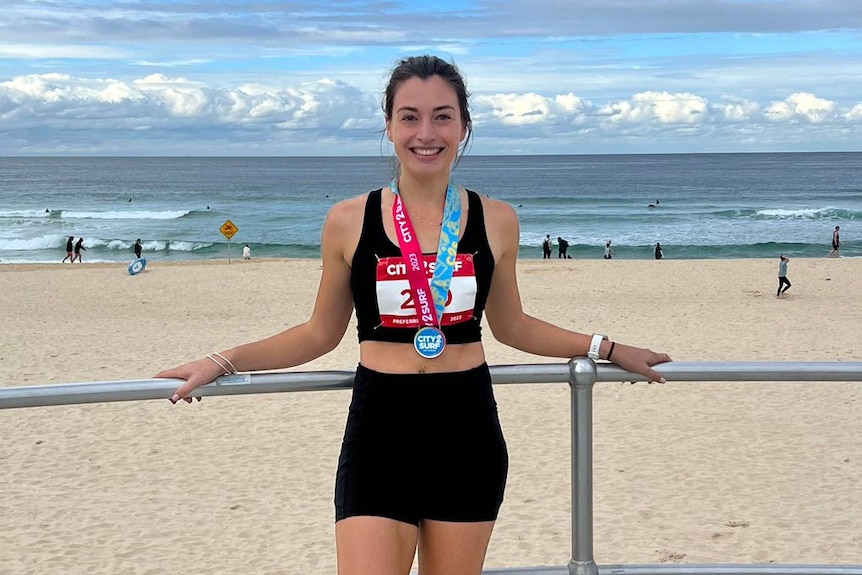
x: 582, y: 378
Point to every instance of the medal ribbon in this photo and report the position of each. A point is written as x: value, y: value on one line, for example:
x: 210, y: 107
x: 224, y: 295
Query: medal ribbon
x: 447, y: 249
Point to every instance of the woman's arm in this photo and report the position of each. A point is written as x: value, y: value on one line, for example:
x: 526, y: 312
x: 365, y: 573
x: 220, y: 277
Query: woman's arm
x: 511, y: 326
x: 309, y: 340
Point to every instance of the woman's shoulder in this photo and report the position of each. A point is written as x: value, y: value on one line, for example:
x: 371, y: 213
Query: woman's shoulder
x: 353, y: 207
x: 492, y: 206
x: 501, y: 225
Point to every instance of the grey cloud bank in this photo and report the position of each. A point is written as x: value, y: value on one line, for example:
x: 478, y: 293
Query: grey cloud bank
x: 58, y: 114
x: 301, y: 78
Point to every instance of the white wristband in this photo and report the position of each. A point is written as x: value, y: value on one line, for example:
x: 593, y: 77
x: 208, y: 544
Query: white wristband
x: 595, y: 346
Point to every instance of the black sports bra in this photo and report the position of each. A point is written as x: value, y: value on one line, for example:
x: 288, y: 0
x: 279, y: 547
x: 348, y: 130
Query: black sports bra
x: 381, y: 291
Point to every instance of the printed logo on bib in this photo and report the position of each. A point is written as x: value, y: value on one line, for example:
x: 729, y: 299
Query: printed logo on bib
x: 395, y: 299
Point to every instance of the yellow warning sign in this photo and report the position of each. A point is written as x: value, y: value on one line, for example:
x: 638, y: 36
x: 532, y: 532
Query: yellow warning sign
x: 228, y: 230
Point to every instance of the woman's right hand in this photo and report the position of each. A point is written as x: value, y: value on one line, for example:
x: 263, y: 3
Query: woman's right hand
x: 195, y: 374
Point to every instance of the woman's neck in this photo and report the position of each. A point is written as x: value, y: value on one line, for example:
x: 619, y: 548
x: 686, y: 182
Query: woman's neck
x: 430, y: 191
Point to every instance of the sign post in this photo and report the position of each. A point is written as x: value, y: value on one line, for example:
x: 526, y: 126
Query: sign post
x: 228, y: 230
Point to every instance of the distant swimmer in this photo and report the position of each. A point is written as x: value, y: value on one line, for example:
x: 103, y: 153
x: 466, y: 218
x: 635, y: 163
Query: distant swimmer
x: 130, y: 199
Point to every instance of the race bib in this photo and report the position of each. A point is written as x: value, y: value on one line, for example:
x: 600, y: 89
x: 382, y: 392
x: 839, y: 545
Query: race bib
x: 395, y: 298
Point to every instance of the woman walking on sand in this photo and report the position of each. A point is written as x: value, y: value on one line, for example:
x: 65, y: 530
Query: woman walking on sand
x: 782, y: 275
x: 423, y: 462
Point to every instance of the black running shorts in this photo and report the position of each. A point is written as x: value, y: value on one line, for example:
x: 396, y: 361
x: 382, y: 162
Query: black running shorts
x: 422, y: 446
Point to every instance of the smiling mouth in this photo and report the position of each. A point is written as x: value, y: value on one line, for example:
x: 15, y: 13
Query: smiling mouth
x: 426, y: 151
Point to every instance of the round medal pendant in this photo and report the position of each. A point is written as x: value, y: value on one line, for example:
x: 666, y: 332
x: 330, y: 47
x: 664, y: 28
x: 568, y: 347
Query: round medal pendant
x: 429, y: 342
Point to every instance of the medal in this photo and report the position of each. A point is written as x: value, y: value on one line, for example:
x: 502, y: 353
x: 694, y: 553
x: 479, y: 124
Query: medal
x: 429, y: 342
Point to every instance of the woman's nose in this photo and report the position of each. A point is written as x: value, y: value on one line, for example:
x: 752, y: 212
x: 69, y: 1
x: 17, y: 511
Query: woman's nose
x: 426, y: 129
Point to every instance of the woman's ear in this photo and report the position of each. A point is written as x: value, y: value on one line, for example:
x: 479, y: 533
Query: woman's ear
x: 388, y: 130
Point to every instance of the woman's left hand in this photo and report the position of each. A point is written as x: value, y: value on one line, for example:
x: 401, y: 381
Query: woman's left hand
x: 639, y: 360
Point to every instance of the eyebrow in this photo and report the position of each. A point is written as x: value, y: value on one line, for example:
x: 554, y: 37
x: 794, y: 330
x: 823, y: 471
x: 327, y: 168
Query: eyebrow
x: 413, y: 109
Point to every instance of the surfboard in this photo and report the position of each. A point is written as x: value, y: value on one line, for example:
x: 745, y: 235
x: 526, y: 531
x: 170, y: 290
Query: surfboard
x: 137, y: 266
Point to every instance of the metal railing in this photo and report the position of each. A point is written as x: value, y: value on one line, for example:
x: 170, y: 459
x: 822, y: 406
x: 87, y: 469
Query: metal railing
x: 581, y: 374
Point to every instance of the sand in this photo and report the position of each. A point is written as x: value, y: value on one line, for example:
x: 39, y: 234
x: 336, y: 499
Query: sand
x: 684, y: 472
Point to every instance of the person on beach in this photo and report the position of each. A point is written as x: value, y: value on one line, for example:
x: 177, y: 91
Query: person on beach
x: 547, y: 247
x: 562, y: 248
x: 79, y: 245
x: 423, y: 461
x: 836, y: 244
x: 782, y: 275
x: 69, y: 255
x: 659, y: 254
x: 138, y: 247
x: 246, y: 252
x: 609, y: 253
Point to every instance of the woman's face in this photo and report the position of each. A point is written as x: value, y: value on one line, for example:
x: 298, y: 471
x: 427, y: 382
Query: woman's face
x: 426, y: 126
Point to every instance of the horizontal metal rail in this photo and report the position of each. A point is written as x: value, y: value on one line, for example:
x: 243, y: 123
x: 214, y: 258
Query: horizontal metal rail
x: 580, y: 373
x: 144, y: 389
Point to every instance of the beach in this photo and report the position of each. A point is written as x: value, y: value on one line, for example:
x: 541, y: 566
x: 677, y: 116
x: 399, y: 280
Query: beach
x: 685, y: 472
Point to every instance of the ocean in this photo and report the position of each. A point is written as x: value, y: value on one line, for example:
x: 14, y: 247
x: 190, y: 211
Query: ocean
x: 706, y: 205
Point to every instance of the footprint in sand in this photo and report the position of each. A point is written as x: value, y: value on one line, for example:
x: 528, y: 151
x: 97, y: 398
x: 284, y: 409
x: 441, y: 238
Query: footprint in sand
x: 665, y: 556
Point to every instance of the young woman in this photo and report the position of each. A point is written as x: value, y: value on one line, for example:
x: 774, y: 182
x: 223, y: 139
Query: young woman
x: 423, y: 462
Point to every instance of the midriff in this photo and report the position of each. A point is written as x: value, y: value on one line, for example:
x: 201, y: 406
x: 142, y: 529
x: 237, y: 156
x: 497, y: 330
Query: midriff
x: 388, y: 357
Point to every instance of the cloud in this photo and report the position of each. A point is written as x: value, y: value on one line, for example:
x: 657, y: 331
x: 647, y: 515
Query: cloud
x: 801, y: 107
x: 855, y: 113
x: 159, y: 106
x: 38, y: 51
x: 242, y: 77
x: 660, y: 107
x: 188, y: 111
x: 733, y: 109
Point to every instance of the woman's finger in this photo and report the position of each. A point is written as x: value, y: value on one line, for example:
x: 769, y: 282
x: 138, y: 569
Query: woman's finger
x: 184, y: 392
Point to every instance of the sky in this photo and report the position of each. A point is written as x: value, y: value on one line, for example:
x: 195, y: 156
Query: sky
x: 305, y: 78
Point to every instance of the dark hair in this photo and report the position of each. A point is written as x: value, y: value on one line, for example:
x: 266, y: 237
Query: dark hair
x: 425, y: 67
